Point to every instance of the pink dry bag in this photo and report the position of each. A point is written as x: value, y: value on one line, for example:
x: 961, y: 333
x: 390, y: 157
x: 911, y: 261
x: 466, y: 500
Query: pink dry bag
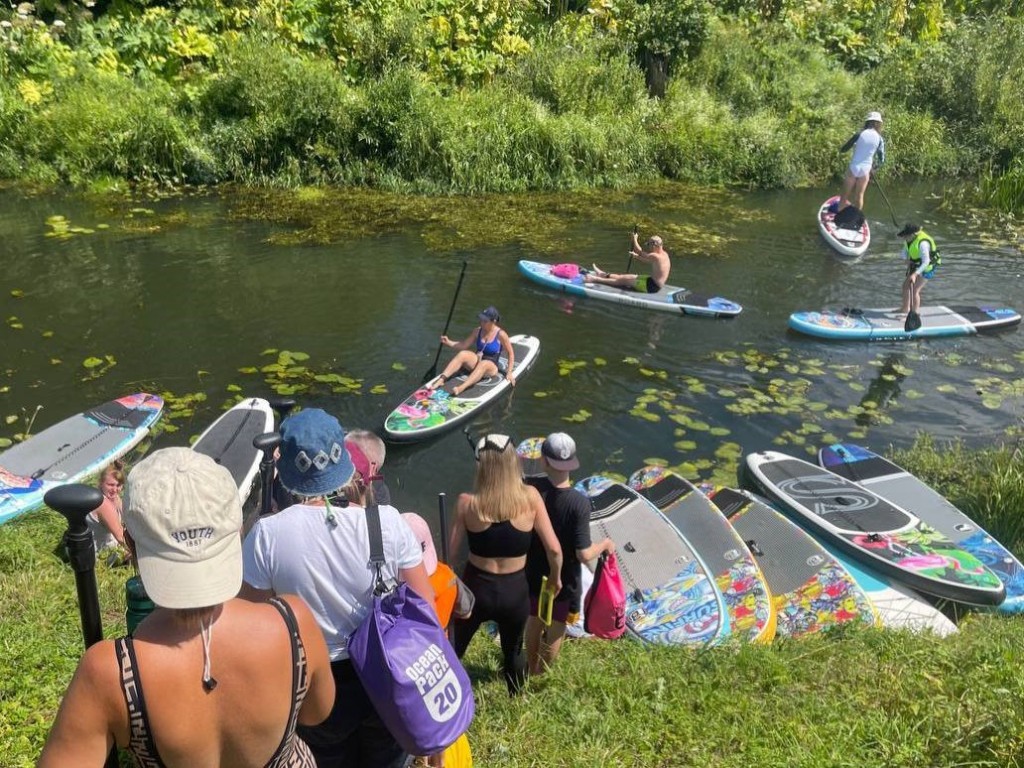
x: 566, y: 271
x: 604, y: 607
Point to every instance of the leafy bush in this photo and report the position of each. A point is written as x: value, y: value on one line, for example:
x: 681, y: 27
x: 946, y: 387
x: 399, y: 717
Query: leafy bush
x: 272, y: 113
x: 103, y: 124
x: 971, y: 81
x: 579, y: 72
x: 490, y: 139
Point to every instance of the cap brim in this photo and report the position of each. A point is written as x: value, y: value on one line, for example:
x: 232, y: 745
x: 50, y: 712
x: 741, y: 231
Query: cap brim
x: 566, y: 465
x: 185, y: 584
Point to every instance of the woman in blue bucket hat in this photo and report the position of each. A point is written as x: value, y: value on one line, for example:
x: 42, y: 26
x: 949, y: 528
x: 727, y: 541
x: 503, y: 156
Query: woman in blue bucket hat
x: 319, y: 548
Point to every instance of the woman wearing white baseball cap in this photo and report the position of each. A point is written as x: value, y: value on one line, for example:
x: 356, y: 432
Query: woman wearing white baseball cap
x: 207, y: 678
x: 867, y: 143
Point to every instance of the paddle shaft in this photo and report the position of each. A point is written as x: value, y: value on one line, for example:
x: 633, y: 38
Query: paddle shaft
x: 884, y: 197
x: 629, y: 264
x: 432, y: 371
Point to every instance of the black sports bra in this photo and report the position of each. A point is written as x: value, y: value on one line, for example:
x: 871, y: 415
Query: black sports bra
x: 499, y: 540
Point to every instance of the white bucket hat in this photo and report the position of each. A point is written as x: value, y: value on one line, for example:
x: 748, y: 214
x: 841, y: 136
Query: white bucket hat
x: 873, y: 117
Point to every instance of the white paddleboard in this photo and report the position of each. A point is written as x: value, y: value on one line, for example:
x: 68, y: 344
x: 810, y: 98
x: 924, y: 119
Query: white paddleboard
x: 228, y: 441
x: 848, y: 242
x: 73, y: 450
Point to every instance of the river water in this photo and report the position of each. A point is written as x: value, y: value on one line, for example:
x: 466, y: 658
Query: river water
x: 184, y: 294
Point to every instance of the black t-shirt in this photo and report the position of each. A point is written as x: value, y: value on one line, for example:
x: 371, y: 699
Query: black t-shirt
x: 569, y: 511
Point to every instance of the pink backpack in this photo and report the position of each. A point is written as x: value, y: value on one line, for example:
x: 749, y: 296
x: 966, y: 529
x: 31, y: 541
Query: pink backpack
x: 566, y: 271
x: 604, y: 607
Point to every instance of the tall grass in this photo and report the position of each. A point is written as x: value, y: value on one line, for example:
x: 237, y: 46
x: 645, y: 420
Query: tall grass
x: 274, y: 116
x: 106, y: 124
x: 851, y: 698
x: 987, y: 485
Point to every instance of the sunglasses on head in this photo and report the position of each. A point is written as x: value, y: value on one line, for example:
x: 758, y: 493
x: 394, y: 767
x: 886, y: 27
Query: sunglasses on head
x: 499, y: 443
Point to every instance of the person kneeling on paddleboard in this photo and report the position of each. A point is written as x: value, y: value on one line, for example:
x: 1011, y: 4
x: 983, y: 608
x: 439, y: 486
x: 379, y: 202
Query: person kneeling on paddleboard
x: 923, y: 258
x: 656, y: 256
x: 480, y: 354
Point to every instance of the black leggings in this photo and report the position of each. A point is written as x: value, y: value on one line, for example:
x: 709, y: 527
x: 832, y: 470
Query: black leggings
x: 504, y: 598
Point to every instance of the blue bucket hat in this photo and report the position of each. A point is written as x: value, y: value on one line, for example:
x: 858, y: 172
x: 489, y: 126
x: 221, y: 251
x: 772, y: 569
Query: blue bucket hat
x: 313, y: 459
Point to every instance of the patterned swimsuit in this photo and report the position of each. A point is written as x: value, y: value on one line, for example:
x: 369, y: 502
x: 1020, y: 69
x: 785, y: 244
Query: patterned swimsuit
x: 292, y: 752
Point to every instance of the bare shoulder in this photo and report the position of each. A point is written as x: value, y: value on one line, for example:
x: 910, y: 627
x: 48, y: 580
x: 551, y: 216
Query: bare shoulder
x: 99, y: 664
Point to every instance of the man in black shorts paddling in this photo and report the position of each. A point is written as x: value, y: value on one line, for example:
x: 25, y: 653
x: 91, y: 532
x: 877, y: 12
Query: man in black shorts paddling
x: 656, y: 256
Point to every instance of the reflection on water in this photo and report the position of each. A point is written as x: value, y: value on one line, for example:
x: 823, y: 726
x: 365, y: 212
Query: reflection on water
x: 192, y: 298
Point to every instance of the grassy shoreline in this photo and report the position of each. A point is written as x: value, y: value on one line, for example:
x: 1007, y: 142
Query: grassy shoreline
x: 853, y: 698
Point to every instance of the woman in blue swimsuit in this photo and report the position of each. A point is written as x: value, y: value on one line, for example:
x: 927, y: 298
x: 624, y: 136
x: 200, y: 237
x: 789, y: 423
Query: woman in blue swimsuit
x: 480, y: 354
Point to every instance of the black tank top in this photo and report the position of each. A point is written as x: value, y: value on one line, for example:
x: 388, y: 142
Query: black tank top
x: 499, y: 540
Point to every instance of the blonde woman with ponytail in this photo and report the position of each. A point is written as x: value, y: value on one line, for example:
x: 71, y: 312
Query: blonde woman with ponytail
x: 499, y: 520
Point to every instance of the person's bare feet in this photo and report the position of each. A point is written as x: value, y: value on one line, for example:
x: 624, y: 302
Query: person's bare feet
x: 436, y: 383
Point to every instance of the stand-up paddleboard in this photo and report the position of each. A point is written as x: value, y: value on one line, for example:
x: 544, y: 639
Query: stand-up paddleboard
x: 898, y: 486
x: 427, y: 412
x: 670, y: 298
x: 897, y: 606
x: 529, y: 454
x: 739, y: 579
x: 886, y: 324
x: 866, y: 526
x: 811, y: 590
x: 228, y: 441
x: 671, y: 596
x: 72, y: 450
x: 848, y: 242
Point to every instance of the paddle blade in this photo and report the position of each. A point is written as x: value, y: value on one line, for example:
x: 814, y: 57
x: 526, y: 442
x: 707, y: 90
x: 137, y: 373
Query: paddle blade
x: 913, y: 322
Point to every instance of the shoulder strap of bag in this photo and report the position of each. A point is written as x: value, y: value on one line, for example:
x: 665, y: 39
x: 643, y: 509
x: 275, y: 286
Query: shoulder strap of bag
x: 377, y: 559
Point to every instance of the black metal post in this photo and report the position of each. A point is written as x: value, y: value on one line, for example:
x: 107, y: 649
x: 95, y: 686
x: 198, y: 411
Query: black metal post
x: 442, y: 513
x: 267, y: 443
x: 74, y: 501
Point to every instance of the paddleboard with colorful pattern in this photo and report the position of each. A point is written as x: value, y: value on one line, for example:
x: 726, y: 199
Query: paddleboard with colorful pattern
x: 73, y: 450
x: 739, y: 578
x: 671, y: 596
x: 429, y: 412
x: 864, y: 525
x: 811, y: 590
x: 670, y: 298
x: 898, y: 486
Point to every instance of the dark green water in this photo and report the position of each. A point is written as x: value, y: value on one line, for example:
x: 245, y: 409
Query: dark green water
x: 185, y: 296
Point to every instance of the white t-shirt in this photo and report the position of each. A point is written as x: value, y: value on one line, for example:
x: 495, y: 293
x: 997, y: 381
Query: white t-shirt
x: 298, y: 552
x: 865, y: 148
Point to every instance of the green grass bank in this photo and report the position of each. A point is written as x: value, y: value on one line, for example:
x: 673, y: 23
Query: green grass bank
x: 438, y: 96
x: 857, y: 698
